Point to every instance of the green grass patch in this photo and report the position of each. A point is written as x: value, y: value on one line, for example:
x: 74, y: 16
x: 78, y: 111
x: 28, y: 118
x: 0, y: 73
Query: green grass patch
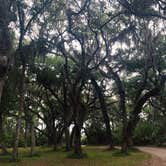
x: 74, y: 156
x: 94, y: 156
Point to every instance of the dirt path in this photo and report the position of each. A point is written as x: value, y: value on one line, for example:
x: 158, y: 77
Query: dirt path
x: 159, y: 154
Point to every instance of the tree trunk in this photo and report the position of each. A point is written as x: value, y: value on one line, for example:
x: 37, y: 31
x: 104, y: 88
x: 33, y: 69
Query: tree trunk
x: 54, y: 139
x: 54, y: 133
x: 4, y: 150
x: 77, y: 141
x: 134, y: 117
x: 124, y: 146
x: 16, y: 141
x: 80, y: 113
x: 72, y: 137
x: 127, y: 141
x: 104, y: 112
x: 49, y: 137
x: 26, y: 134
x: 122, y: 103
x: 67, y: 139
x: 33, y: 140
x: 127, y: 137
x: 19, y: 120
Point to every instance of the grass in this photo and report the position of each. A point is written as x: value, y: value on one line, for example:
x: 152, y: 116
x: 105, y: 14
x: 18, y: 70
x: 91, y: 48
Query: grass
x: 96, y: 156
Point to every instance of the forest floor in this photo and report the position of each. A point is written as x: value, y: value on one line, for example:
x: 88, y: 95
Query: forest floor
x: 96, y: 156
x: 159, y: 156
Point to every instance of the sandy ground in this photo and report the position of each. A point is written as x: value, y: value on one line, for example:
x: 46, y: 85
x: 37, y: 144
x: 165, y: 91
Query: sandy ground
x: 159, y: 156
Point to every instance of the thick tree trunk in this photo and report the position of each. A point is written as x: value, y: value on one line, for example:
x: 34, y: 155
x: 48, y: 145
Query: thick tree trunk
x: 67, y: 139
x: 26, y: 134
x: 104, y: 112
x: 49, y: 140
x: 128, y: 132
x: 122, y: 108
x: 127, y: 141
x: 108, y: 130
x: 3, y: 148
x: 77, y: 141
x: 72, y: 137
x: 49, y: 137
x: 33, y: 139
x: 16, y: 141
x: 54, y: 139
x: 81, y: 113
x: 49, y: 128
x: 19, y: 120
x: 134, y: 117
x: 54, y: 132
x: 124, y: 146
x: 127, y: 137
x: 66, y: 110
x: 122, y: 103
x: 78, y: 122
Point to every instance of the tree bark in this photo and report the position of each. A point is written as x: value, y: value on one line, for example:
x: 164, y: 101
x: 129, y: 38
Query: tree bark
x: 122, y: 104
x: 33, y: 140
x: 54, y: 134
x: 26, y: 134
x: 104, y: 112
x: 72, y: 137
x: 19, y: 119
x: 4, y: 150
x: 49, y: 134
x: 78, y: 122
x: 134, y: 117
x: 77, y: 140
x: 67, y: 139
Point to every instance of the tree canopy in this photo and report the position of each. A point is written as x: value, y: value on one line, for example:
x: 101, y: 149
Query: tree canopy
x: 82, y: 71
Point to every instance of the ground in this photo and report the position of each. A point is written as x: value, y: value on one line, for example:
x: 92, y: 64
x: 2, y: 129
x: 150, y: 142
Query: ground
x: 96, y: 156
x: 159, y: 155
